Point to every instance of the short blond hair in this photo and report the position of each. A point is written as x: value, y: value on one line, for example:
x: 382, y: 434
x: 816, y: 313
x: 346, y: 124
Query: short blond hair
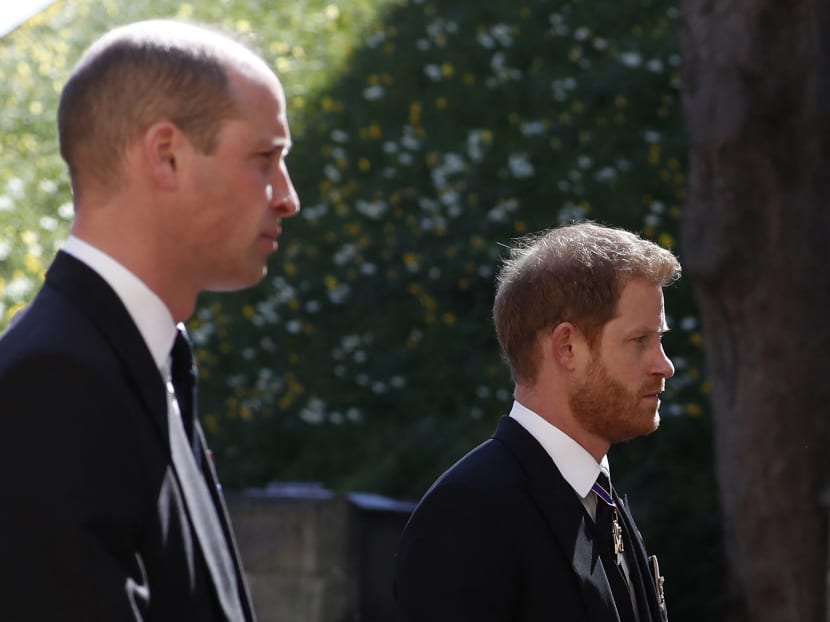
x: 140, y: 74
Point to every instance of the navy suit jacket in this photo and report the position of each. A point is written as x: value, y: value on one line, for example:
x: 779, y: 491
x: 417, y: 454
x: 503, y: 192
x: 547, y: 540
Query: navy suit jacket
x: 502, y: 537
x: 94, y: 525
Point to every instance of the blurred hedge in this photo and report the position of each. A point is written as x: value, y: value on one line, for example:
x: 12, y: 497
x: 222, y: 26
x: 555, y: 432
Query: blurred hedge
x: 428, y: 135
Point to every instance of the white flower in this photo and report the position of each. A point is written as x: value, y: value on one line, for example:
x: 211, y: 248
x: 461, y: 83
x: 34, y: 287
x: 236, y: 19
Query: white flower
x: 345, y: 254
x: 48, y: 223
x: 65, y: 211
x: 373, y: 209
x: 433, y: 72
x: 532, y: 128
x: 332, y: 173
x: 314, y: 412
x: 15, y: 188
x: 339, y: 294
x: 376, y: 39
x: 652, y: 137
x: 655, y: 65
x: 374, y: 92
x: 688, y: 323
x: 570, y: 212
x: 339, y: 136
x: 17, y: 289
x: 49, y: 186
x: 314, y: 212
x: 502, y: 33
x: 520, y: 166
x: 631, y: 59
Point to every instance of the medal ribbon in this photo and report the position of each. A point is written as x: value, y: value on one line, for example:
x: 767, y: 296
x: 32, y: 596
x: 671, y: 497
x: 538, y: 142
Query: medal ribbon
x: 603, y: 494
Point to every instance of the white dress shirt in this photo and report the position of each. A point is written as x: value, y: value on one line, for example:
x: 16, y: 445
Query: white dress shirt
x: 148, y: 312
x: 576, y: 465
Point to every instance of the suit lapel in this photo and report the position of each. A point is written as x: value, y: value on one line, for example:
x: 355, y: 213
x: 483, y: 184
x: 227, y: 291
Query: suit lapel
x: 87, y: 291
x: 647, y: 601
x: 566, y: 516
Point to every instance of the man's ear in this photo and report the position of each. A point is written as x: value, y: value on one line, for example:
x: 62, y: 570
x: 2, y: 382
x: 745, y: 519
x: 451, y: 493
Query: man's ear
x: 566, y: 342
x: 162, y: 142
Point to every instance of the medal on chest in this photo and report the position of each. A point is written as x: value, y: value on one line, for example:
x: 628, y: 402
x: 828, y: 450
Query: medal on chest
x: 616, y: 537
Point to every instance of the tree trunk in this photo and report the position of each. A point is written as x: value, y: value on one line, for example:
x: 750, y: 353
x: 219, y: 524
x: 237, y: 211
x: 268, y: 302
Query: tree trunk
x: 754, y: 240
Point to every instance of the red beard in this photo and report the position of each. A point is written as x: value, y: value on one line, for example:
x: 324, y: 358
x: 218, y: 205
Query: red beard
x: 605, y: 408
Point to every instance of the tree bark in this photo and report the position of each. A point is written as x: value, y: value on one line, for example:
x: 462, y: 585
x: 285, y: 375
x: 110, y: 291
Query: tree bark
x: 754, y: 240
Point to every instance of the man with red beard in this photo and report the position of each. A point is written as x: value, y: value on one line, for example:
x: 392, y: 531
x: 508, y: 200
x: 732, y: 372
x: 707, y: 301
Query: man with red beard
x: 527, y: 527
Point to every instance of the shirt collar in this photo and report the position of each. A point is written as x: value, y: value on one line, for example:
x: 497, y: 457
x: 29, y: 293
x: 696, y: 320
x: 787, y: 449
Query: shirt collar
x: 576, y: 465
x: 150, y: 315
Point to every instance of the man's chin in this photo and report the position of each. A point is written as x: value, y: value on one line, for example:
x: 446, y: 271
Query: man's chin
x: 644, y: 427
x: 239, y: 281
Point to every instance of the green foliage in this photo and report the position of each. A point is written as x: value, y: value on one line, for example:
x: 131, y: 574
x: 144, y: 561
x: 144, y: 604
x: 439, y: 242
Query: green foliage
x: 428, y: 135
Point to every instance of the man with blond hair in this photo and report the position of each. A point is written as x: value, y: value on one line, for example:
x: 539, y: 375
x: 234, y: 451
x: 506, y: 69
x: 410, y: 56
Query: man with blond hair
x: 175, y: 137
x: 527, y: 526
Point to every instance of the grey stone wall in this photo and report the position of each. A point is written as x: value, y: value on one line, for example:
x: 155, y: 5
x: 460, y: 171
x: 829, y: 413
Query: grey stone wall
x: 312, y: 555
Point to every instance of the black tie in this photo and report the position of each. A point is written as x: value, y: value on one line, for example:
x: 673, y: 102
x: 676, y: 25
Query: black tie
x: 616, y: 575
x: 184, y: 375
x: 203, y: 502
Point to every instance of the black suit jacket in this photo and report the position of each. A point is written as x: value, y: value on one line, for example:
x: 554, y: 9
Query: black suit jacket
x: 502, y: 537
x: 93, y: 525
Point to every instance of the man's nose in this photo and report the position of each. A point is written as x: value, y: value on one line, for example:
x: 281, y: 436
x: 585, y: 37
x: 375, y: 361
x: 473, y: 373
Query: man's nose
x: 663, y: 365
x: 285, y: 200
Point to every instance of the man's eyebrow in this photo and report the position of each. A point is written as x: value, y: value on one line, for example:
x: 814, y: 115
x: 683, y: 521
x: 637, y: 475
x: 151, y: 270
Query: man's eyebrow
x: 648, y: 329
x: 275, y: 144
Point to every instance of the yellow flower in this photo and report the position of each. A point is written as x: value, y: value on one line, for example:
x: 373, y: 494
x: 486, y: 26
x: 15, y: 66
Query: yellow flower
x: 415, y: 113
x: 211, y: 423
x: 666, y: 240
x: 245, y: 413
x: 693, y: 409
x: 375, y: 131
